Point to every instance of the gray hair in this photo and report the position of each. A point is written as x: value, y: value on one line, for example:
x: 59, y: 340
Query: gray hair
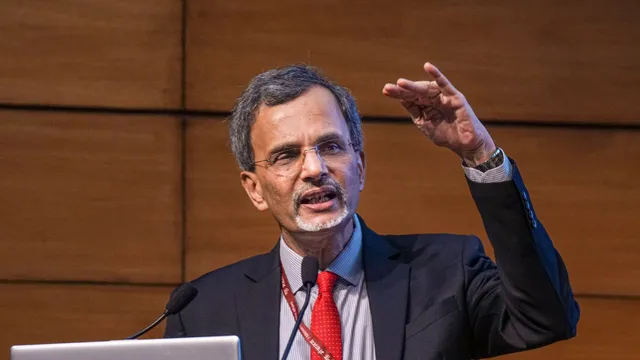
x: 276, y: 87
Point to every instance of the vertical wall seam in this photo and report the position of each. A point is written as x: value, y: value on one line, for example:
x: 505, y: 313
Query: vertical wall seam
x: 183, y: 143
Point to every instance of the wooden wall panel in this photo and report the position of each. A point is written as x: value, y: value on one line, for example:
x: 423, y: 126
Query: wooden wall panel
x: 91, y: 53
x: 41, y: 313
x: 608, y: 329
x: 89, y: 197
x: 543, y: 60
x: 583, y: 184
x: 222, y: 224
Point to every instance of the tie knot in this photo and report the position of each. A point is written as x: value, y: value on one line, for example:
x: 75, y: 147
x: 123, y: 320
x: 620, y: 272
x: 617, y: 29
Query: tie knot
x: 326, y: 281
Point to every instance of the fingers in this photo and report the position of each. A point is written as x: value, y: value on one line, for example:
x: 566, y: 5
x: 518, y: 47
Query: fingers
x: 419, y: 87
x: 412, y: 90
x: 396, y: 92
x: 425, y: 88
x: 443, y: 83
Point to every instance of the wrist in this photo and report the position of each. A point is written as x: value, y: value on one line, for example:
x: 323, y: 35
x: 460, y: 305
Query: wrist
x: 480, y: 155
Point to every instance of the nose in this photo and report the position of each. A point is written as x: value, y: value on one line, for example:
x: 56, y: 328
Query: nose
x: 313, y: 166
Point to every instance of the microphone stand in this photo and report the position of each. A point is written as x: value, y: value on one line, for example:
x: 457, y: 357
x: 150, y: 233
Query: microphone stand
x: 145, y: 330
x: 287, y: 349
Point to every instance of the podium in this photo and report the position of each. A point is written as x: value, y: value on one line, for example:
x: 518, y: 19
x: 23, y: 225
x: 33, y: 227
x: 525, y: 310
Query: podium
x: 196, y: 348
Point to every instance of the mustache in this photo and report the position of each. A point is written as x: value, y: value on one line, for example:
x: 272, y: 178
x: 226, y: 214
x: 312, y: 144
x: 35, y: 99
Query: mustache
x: 339, y: 190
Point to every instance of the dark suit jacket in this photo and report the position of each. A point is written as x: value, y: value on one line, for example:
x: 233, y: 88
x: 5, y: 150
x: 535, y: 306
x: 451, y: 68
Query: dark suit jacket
x: 432, y: 296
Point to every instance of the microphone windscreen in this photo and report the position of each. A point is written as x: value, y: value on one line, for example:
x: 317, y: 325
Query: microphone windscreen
x: 309, y: 270
x: 180, y: 298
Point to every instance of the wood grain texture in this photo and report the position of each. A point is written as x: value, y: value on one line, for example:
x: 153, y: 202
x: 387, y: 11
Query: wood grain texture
x: 543, y: 60
x: 222, y: 225
x: 608, y: 329
x: 114, y: 53
x: 583, y: 184
x: 50, y: 313
x: 89, y: 197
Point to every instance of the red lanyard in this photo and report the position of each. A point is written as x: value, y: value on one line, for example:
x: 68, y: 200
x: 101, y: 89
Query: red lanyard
x: 311, y: 339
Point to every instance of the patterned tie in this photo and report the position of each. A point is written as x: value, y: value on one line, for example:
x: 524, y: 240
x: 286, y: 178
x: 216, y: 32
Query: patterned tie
x: 325, y: 321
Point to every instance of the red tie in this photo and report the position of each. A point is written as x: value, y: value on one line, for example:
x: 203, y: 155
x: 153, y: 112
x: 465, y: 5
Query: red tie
x: 325, y: 320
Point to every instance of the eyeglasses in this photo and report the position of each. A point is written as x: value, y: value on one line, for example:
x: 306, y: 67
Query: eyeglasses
x: 288, y: 161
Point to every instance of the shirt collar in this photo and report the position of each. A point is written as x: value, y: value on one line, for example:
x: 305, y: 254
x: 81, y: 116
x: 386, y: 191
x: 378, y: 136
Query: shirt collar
x: 348, y: 264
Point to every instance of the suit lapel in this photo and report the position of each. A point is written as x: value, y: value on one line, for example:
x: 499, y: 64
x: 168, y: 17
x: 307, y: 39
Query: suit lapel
x: 387, y: 281
x: 259, y: 308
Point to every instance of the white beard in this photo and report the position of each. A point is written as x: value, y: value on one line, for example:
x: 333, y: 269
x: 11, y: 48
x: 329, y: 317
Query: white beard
x: 313, y: 227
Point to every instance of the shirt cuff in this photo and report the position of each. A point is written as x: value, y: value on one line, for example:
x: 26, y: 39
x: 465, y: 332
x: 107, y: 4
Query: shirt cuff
x: 501, y: 173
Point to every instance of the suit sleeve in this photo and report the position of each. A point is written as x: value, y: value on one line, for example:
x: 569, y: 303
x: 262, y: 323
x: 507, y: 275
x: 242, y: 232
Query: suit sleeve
x: 524, y: 300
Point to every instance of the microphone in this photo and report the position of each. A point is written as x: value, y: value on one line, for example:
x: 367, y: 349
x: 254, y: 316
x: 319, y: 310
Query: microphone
x: 309, y: 277
x: 179, y: 299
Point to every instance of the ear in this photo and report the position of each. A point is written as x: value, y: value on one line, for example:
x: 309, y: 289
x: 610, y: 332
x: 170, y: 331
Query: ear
x: 251, y: 185
x: 361, y: 168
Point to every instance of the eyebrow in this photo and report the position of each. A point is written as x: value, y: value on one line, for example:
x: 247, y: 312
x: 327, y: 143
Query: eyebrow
x: 282, y: 147
x: 328, y: 136
x: 292, y: 145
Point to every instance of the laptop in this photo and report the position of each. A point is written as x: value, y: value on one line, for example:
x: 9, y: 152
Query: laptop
x: 196, y: 348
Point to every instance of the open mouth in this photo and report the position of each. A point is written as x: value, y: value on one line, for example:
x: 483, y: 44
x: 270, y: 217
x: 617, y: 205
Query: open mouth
x: 318, y: 196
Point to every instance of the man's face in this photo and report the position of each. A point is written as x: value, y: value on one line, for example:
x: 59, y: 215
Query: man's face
x: 304, y: 191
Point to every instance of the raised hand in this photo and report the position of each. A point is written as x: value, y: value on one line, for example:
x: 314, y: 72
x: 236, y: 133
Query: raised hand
x: 443, y: 114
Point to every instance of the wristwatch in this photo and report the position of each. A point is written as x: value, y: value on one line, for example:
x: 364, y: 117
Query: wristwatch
x: 496, y: 159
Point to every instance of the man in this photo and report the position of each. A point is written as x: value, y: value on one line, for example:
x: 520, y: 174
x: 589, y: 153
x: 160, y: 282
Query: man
x: 299, y: 143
